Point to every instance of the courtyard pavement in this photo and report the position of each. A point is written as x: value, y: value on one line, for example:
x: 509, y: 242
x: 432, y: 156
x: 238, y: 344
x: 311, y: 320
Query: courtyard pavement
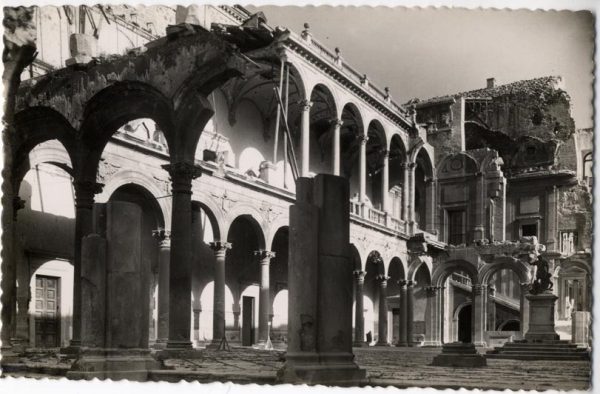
x: 386, y: 366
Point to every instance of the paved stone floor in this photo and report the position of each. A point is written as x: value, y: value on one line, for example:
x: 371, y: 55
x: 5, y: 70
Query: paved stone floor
x: 400, y: 367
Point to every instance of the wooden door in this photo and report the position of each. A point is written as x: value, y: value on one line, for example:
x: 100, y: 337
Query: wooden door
x: 47, y: 313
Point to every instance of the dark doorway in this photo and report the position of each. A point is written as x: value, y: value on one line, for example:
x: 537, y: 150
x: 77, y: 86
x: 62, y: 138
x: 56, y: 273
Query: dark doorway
x: 47, y: 301
x: 247, y: 321
x: 464, y: 324
x: 511, y: 325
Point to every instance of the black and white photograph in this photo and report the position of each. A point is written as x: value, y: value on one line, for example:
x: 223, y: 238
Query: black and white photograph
x: 327, y: 195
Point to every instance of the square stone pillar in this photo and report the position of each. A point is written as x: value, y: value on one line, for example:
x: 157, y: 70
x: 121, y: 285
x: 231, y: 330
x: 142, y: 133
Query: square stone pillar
x: 268, y: 172
x: 433, y: 312
x: 580, y: 328
x: 479, y: 314
x: 320, y: 340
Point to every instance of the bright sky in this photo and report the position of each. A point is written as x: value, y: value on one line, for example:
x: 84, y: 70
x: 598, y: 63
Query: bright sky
x: 427, y: 52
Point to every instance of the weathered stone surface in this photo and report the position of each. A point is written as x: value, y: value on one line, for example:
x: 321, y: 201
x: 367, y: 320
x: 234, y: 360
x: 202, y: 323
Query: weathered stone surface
x: 541, y: 317
x: 82, y: 48
x: 580, y: 326
x: 93, y: 296
x: 459, y: 354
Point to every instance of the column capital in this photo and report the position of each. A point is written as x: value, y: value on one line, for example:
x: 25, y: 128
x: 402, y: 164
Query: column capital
x: 382, y: 279
x: 385, y: 154
x: 359, y: 276
x: 163, y: 237
x: 220, y: 246
x: 402, y: 283
x: 478, y: 289
x: 411, y: 166
x: 432, y: 290
x: 18, y: 204
x: 411, y: 283
x: 264, y: 255
x: 305, y: 104
x: 363, y: 139
x: 182, y: 173
x: 491, y: 291
x: 85, y: 191
x: 336, y: 122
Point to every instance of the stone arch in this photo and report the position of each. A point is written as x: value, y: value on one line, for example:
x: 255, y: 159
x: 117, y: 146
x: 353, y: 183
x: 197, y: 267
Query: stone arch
x: 214, y: 217
x: 443, y: 270
x: 505, y: 262
x: 508, y: 321
x: 126, y: 177
x: 576, y: 263
x: 375, y: 258
x: 396, y: 265
x: 460, y: 307
x: 414, y: 266
x: 327, y: 89
x: 145, y: 192
x: 355, y: 258
x: 35, y: 125
x: 255, y: 222
x: 44, y: 152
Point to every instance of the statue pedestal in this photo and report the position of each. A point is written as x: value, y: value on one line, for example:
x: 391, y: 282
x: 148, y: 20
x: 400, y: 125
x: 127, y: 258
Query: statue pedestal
x: 541, y: 317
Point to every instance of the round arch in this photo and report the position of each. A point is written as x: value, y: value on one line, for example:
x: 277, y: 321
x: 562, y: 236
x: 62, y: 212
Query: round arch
x: 469, y: 164
x: 414, y: 267
x: 505, y: 263
x: 214, y: 217
x: 253, y: 221
x: 575, y: 263
x: 132, y: 177
x: 443, y: 270
x: 396, y: 268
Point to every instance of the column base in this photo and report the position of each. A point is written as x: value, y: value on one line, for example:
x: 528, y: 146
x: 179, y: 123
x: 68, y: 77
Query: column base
x: 322, y: 368
x: 176, y: 345
x: 383, y: 344
x: 402, y: 344
x: 432, y: 344
x: 480, y: 344
x: 359, y: 344
x: 115, y: 364
x: 160, y: 344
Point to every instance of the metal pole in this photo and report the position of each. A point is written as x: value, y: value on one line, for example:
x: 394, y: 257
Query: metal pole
x: 278, y: 116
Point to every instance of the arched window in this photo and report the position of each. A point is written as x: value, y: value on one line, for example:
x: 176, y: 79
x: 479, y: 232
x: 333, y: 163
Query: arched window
x: 587, y: 167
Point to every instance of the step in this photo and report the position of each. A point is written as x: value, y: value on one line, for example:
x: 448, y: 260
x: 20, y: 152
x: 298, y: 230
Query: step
x: 541, y: 352
x: 541, y: 349
x: 517, y: 356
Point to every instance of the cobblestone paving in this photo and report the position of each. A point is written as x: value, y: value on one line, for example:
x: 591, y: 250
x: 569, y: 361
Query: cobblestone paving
x: 400, y: 367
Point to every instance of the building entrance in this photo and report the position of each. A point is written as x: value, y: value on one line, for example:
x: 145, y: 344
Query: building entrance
x: 47, y: 314
x: 465, y: 324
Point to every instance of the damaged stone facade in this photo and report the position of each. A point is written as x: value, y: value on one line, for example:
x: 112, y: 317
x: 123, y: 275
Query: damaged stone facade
x: 442, y: 207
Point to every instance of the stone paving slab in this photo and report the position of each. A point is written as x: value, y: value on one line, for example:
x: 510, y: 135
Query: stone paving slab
x: 399, y: 367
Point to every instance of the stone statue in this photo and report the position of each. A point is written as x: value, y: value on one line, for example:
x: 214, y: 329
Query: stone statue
x: 541, y: 281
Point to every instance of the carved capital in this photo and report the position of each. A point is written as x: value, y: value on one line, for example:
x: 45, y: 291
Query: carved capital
x: 385, y: 154
x: 163, y: 237
x: 432, y: 290
x: 84, y: 193
x: 305, y: 104
x: 220, y: 248
x: 336, y: 123
x: 402, y: 283
x: 478, y: 289
x: 264, y: 255
x: 411, y: 166
x: 359, y: 276
x: 182, y: 173
x: 411, y: 283
x: 382, y: 279
x: 363, y: 139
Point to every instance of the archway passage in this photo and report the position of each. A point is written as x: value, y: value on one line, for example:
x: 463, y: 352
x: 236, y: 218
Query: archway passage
x: 351, y: 131
x: 322, y: 116
x: 465, y: 326
x: 243, y: 275
x: 424, y: 192
x: 397, y: 182
x: 278, y: 273
x: 376, y: 152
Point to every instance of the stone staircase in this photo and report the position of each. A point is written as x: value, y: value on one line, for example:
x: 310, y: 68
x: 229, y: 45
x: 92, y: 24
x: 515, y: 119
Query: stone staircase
x: 545, y: 350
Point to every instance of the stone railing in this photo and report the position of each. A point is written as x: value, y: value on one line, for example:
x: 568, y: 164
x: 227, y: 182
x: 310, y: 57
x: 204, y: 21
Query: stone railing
x: 355, y: 208
x: 376, y: 216
x: 460, y: 278
x: 397, y: 224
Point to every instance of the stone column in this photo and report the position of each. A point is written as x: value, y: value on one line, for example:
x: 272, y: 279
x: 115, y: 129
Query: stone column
x: 410, y: 302
x: 196, y: 312
x: 433, y: 317
x: 411, y: 196
x: 164, y: 257
x: 479, y: 229
x: 362, y: 191
x: 237, y: 310
x: 180, y: 272
x: 385, y: 182
x: 524, y: 313
x: 402, y: 320
x: 336, y: 157
x: 220, y: 249
x: 405, y: 192
x: 491, y: 309
x: 479, y: 314
x: 84, y: 203
x: 305, y: 136
x: 430, y: 210
x: 359, y: 317
x: 264, y: 300
x: 382, y: 315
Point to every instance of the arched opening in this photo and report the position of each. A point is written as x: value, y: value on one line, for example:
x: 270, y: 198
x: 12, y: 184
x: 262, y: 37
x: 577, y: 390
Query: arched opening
x: 152, y: 219
x: 242, y: 275
x: 43, y: 246
x: 422, y: 279
x: 504, y: 298
x: 376, y: 151
x: 465, y: 324
x: 278, y: 273
x: 205, y: 321
x: 574, y: 289
x: 510, y: 325
x: 423, y: 190
x: 322, y: 115
x: 397, y: 183
x: 374, y: 270
x: 350, y: 132
x: 394, y: 298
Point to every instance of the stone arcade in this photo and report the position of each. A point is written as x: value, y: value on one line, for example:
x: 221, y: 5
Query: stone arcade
x: 210, y: 137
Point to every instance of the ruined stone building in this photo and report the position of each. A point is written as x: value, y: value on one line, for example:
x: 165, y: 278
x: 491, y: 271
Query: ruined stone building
x: 203, y: 118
